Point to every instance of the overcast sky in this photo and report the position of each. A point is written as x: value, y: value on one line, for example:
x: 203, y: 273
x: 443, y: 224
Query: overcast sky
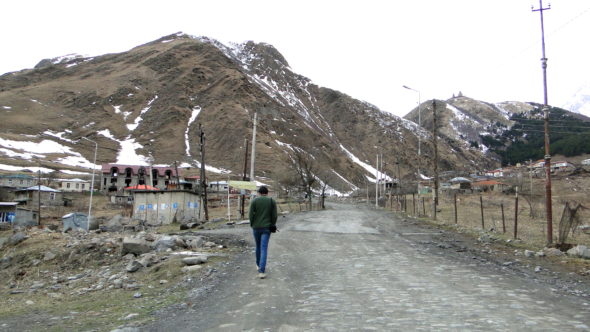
x: 368, y: 49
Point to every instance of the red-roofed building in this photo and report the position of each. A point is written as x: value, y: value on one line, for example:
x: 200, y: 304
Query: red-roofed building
x: 115, y: 177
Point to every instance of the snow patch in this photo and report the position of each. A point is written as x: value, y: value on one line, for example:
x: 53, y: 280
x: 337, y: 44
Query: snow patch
x: 32, y: 169
x: 139, y: 118
x: 196, y: 111
x: 366, y: 166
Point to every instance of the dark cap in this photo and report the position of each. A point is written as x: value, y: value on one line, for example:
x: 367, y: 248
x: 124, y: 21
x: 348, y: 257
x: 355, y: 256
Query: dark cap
x: 263, y: 190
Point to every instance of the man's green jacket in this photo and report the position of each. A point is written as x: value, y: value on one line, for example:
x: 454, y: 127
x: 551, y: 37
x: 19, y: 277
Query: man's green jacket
x: 263, y: 212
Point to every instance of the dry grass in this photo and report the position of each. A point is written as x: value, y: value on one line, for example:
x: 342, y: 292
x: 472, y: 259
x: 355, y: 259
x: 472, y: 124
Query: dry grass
x: 532, y: 224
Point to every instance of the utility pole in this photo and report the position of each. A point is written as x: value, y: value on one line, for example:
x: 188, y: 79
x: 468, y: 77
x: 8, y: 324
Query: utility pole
x: 39, y: 197
x: 383, y: 175
x: 92, y: 183
x: 177, y: 177
x: 245, y: 177
x: 548, y: 201
x: 203, y: 179
x: 377, y: 183
x: 253, y: 160
x: 435, y: 166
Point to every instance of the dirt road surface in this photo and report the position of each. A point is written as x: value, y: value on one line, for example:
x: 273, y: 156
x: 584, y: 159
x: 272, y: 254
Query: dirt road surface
x: 356, y: 268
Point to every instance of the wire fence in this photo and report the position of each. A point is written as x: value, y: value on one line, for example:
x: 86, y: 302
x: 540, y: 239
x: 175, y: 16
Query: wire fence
x: 518, y: 217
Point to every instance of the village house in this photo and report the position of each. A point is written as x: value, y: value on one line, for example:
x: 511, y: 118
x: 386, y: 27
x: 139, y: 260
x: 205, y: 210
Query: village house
x: 30, y: 196
x: 217, y: 186
x: 497, y: 173
x: 460, y: 183
x: 13, y: 214
x: 586, y: 162
x: 163, y: 207
x: 16, y: 180
x: 557, y: 166
x: 489, y: 185
x: 560, y: 166
x: 115, y: 177
x: 74, y: 185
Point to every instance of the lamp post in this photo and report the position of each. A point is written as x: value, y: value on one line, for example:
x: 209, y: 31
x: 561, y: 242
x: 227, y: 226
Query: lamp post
x: 419, y: 116
x: 92, y: 183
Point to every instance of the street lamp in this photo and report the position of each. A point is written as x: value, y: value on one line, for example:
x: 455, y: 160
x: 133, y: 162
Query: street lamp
x: 92, y: 183
x: 419, y: 119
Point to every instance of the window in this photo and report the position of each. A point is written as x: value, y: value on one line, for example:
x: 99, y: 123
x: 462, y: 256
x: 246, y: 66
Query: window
x: 83, y: 185
x: 77, y: 185
x: 52, y: 196
x: 9, y: 181
x: 68, y: 185
x: 21, y: 181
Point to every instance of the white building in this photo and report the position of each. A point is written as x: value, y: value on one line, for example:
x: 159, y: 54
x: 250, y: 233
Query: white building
x: 74, y: 185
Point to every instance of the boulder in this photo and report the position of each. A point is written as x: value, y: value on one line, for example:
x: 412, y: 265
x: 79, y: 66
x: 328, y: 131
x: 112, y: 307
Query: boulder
x: 3, y: 240
x: 17, y: 238
x: 115, y: 224
x: 550, y: 252
x: 579, y: 251
x: 179, y: 242
x: 148, y: 259
x: 193, y: 242
x: 165, y: 242
x: 191, y: 268
x: 194, y: 260
x: 134, y: 246
x: 49, y: 256
x: 529, y: 253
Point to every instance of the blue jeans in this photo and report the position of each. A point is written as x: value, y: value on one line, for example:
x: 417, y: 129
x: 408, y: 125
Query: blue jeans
x: 261, y: 237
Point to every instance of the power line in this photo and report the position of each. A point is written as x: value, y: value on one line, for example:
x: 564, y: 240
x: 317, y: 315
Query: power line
x: 554, y: 132
x: 552, y: 126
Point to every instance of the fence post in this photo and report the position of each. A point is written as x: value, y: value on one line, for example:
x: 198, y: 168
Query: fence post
x: 455, y: 199
x: 423, y: 207
x: 414, y: 203
x: 503, y: 221
x: 481, y: 207
x: 516, y: 214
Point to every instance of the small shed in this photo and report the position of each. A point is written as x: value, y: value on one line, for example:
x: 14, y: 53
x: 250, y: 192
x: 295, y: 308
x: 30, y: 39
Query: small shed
x: 163, y: 207
x: 489, y: 185
x: 460, y: 183
x: 75, y: 220
x: 13, y: 214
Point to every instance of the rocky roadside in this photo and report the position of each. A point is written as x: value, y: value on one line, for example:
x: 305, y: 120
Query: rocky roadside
x: 100, y: 280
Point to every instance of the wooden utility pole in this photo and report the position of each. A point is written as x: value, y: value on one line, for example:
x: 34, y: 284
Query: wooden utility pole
x: 253, y: 159
x: 245, y: 178
x: 203, y: 173
x: 481, y: 208
x: 435, y: 162
x: 516, y: 214
x: 548, y: 201
x: 39, y: 198
x: 377, y: 182
x: 177, y: 178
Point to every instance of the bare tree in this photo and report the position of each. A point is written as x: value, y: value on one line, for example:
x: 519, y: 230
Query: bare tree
x: 305, y: 167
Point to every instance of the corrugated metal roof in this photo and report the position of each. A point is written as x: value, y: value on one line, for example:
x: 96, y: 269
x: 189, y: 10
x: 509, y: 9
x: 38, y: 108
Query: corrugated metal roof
x: 43, y: 188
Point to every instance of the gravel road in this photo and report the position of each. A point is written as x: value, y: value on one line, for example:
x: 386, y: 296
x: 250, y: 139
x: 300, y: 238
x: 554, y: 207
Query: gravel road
x: 356, y: 268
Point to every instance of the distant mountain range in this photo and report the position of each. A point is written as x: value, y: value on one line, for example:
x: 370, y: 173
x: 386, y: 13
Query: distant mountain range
x: 145, y: 106
x: 512, y: 132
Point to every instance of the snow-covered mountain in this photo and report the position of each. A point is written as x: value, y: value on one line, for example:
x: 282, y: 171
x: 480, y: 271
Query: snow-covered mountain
x: 580, y: 101
x: 146, y: 105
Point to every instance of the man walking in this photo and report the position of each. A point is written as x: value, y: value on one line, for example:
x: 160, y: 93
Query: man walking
x: 263, y: 220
